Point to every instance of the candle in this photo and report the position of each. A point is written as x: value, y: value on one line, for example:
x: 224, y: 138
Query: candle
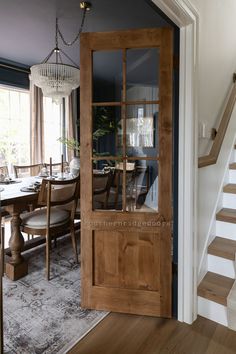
x: 62, y: 164
x: 50, y: 166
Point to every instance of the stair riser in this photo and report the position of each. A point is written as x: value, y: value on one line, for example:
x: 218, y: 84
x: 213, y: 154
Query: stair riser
x: 213, y: 311
x: 232, y: 176
x: 221, y: 266
x: 229, y: 200
x: 226, y: 230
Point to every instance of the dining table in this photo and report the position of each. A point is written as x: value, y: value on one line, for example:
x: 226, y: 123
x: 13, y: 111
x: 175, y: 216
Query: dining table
x: 15, y: 197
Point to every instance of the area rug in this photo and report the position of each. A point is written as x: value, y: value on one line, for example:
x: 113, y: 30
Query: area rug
x: 45, y: 317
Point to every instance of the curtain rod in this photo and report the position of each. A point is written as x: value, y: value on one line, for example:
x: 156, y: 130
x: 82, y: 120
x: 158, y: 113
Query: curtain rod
x: 7, y: 66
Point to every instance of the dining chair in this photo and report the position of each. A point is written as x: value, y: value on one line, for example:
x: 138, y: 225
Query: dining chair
x: 101, y: 188
x: 116, y: 188
x: 56, y: 167
x: 21, y: 171
x: 4, y: 170
x: 1, y: 285
x: 142, y: 185
x: 26, y: 170
x: 53, y: 219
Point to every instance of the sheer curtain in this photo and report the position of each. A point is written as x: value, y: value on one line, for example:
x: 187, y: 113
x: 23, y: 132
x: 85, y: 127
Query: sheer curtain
x: 36, y: 125
x: 70, y: 121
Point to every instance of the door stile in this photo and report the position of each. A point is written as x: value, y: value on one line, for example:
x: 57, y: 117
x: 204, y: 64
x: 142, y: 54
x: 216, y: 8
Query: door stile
x: 86, y: 168
x: 165, y: 182
x: 123, y: 108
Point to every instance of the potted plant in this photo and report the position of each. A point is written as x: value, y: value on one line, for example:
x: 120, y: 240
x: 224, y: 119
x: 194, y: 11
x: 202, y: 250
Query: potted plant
x: 104, y: 124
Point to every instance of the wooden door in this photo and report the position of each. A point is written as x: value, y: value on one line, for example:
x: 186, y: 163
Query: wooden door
x: 126, y: 87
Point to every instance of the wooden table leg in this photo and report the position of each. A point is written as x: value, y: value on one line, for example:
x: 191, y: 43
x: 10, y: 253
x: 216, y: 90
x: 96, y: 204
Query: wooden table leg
x: 17, y: 267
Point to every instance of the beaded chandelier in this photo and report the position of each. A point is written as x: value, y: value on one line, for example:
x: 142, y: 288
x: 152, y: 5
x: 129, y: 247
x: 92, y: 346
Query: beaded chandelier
x: 56, y: 79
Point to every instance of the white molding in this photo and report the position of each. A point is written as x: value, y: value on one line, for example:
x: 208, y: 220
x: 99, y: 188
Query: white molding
x: 185, y: 16
x: 181, y: 12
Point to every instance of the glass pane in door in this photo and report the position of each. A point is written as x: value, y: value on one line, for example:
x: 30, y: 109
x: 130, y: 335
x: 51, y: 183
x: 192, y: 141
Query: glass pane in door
x: 142, y: 130
x: 107, y: 131
x: 142, y: 70
x: 107, y: 76
x: 142, y: 186
x: 107, y: 186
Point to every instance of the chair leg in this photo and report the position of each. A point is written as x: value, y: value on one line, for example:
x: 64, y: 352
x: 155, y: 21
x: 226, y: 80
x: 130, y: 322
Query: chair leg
x: 48, y: 243
x: 1, y: 319
x: 74, y: 243
x: 2, y: 271
x: 1, y: 290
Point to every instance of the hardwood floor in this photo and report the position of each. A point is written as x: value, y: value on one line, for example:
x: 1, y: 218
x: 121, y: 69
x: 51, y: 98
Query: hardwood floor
x: 129, y: 334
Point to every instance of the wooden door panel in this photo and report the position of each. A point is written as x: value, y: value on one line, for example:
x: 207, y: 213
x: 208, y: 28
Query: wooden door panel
x: 128, y: 260
x: 143, y: 302
x: 126, y: 254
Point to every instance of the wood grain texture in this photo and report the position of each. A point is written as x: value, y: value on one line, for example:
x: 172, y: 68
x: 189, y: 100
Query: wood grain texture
x: 115, y: 40
x: 227, y: 215
x: 122, y: 260
x: 212, y: 157
x: 129, y: 334
x: 124, y: 103
x: 165, y: 165
x: 232, y: 166
x: 223, y: 247
x: 126, y: 256
x: 215, y: 287
x: 230, y: 188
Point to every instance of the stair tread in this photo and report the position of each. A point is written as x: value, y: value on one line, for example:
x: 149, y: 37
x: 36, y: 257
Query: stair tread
x: 223, y: 247
x: 215, y: 287
x: 232, y: 166
x: 230, y: 188
x: 227, y: 215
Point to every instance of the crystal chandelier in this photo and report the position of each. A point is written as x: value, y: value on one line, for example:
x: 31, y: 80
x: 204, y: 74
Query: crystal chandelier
x: 56, y: 79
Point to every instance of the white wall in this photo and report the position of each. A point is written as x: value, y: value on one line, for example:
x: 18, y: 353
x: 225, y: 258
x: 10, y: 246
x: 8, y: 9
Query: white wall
x: 211, y: 179
x: 217, y: 62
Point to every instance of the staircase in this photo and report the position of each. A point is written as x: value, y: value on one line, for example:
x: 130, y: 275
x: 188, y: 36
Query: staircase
x: 218, y: 281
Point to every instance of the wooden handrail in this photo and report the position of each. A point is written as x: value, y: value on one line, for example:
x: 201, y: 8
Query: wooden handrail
x: 212, y: 157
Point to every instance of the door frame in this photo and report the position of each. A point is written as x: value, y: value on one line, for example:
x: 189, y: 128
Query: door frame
x: 186, y: 17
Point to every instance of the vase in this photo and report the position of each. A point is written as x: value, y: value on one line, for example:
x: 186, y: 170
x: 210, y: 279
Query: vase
x: 75, y: 166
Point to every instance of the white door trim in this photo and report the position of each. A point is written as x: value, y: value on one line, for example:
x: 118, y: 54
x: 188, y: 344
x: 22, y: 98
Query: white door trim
x: 186, y: 17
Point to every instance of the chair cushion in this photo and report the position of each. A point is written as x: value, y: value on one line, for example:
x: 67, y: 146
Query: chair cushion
x: 38, y: 218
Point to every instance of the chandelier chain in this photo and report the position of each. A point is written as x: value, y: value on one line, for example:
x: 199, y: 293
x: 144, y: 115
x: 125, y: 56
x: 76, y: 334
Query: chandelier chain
x: 78, y: 34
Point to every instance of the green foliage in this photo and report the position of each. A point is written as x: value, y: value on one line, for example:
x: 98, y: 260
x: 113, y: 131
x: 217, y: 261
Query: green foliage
x: 104, y: 123
x: 72, y: 144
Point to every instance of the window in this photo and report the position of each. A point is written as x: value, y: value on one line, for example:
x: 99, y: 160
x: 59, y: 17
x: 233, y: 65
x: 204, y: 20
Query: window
x: 53, y: 127
x: 15, y: 126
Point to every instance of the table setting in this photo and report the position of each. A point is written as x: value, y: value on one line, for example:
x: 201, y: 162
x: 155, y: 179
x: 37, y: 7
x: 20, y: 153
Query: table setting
x: 46, y: 173
x: 8, y: 180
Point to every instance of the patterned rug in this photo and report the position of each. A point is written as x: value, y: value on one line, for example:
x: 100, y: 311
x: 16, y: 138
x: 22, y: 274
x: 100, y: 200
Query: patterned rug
x: 42, y: 317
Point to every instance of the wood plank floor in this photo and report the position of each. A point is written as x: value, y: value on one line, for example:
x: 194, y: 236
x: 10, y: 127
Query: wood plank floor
x: 129, y: 334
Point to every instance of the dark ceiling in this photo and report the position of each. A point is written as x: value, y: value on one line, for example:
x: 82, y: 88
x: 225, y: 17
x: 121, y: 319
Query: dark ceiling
x: 27, y: 27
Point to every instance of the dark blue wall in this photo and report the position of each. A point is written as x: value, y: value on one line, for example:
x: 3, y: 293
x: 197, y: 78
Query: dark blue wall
x: 14, y: 74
